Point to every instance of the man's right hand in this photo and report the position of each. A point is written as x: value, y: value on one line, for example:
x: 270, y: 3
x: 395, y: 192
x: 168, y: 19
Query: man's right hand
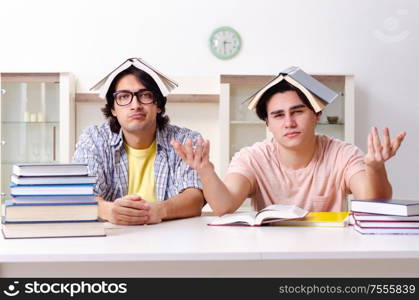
x: 224, y: 196
x: 198, y: 158
x: 128, y: 210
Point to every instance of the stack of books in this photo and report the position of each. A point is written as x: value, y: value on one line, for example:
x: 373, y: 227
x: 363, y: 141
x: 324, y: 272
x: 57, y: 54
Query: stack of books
x: 385, y: 216
x: 51, y: 200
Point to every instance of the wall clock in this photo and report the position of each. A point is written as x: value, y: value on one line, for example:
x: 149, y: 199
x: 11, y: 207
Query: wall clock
x: 225, y: 42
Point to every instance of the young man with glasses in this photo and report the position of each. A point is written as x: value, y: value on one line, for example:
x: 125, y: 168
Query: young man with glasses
x: 141, y: 180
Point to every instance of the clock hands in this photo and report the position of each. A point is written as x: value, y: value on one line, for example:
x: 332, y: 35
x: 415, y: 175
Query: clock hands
x: 224, y: 45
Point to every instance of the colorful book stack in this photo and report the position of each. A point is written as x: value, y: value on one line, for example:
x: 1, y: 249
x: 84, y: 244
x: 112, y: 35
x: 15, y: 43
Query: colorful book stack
x: 385, y: 216
x: 51, y: 200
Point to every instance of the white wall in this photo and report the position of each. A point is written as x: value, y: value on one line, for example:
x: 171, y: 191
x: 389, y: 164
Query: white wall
x: 375, y: 40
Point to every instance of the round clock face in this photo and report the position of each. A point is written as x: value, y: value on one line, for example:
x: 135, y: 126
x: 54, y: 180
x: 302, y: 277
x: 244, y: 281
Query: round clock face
x: 225, y: 42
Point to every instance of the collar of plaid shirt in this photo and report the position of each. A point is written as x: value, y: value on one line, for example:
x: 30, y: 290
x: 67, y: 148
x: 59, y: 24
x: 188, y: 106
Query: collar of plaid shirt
x: 117, y: 140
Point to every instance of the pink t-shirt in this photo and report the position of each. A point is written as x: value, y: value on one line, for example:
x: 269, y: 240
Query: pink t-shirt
x: 320, y: 186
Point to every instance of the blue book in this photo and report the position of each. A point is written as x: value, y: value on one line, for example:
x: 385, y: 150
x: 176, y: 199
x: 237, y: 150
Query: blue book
x: 47, y: 212
x: 55, y: 199
x: 313, y: 85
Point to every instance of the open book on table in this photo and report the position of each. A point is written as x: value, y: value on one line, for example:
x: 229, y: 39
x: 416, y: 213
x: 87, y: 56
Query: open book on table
x: 320, y: 219
x: 271, y: 213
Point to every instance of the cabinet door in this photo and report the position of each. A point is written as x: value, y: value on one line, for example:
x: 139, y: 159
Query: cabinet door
x: 239, y: 127
x: 30, y: 121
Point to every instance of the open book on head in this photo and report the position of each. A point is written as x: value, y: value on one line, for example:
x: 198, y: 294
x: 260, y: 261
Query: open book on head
x: 271, y: 213
x: 165, y: 84
x: 316, y: 92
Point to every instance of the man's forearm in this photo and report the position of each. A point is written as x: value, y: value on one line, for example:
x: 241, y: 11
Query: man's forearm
x: 189, y: 203
x: 216, y: 193
x: 378, y: 185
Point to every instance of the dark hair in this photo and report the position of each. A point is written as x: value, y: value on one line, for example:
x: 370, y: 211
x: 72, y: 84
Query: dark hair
x: 281, y: 87
x: 149, y: 84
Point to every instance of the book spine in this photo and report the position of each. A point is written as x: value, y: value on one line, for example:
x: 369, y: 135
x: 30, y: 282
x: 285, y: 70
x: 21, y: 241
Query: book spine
x: 52, y: 221
x: 12, y: 204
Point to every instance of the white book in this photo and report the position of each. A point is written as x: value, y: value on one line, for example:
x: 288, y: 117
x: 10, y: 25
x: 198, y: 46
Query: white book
x: 54, y: 199
x: 49, y: 169
x: 386, y: 207
x: 165, y: 84
x: 56, y: 229
x: 271, y: 213
x: 34, y: 180
x: 374, y: 229
x: 383, y: 218
x: 367, y: 221
x: 388, y: 224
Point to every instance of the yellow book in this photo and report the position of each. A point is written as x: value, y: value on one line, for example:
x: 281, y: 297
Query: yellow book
x: 319, y: 219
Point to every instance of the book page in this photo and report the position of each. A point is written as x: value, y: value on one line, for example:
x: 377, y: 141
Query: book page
x: 167, y: 81
x: 317, y: 103
x: 103, y: 80
x: 163, y: 87
x: 109, y: 78
x: 254, y: 101
x: 279, y: 211
x: 236, y: 218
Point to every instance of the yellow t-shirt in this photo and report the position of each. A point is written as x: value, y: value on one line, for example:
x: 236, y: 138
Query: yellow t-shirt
x: 141, y: 172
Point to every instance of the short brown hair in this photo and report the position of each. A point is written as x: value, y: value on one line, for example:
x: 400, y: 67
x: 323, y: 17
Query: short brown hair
x: 281, y: 87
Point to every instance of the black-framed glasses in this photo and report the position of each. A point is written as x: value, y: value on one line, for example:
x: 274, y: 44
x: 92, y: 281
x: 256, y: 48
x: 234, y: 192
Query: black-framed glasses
x: 124, y: 97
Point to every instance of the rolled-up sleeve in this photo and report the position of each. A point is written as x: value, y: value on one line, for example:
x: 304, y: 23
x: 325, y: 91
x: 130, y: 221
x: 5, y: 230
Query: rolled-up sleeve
x: 185, y: 175
x: 88, y: 152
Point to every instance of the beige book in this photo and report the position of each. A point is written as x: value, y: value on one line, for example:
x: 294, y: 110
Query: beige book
x: 165, y: 84
x: 317, y: 93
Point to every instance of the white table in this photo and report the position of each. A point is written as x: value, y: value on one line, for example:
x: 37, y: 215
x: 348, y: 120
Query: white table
x: 190, y: 248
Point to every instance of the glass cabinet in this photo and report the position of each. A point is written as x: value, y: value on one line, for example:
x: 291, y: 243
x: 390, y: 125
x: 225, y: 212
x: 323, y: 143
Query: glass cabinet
x: 37, y: 120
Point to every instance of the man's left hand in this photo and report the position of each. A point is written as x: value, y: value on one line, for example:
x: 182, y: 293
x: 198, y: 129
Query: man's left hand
x: 379, y: 153
x: 156, y: 213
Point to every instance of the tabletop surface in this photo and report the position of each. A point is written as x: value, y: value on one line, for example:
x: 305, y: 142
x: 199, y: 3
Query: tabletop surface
x: 192, y: 239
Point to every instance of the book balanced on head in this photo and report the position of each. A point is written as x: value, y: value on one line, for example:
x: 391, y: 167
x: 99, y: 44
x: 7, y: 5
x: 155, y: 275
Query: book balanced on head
x: 165, y: 83
x: 271, y: 213
x: 316, y: 92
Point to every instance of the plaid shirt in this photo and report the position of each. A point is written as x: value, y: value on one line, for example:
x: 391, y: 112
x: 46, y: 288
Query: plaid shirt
x: 107, y: 159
